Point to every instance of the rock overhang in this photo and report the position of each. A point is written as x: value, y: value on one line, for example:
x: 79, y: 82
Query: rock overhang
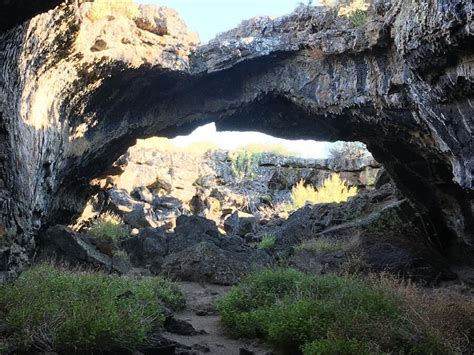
x: 309, y: 74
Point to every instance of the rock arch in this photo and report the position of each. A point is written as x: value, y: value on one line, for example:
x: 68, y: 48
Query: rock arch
x: 402, y: 83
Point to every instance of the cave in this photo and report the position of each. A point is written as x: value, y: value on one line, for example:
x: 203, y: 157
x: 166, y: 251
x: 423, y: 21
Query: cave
x: 115, y: 240
x: 70, y: 107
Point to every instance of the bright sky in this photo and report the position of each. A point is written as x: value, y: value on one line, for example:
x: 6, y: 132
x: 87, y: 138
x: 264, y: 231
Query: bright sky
x: 210, y: 17
x: 232, y: 140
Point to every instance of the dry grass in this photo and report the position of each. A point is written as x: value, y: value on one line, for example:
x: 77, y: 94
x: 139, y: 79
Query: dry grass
x: 317, y: 53
x: 320, y: 245
x: 353, y: 7
x: 443, y: 313
x: 103, y: 8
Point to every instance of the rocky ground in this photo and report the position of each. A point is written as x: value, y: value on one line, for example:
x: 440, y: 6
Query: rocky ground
x: 210, y: 248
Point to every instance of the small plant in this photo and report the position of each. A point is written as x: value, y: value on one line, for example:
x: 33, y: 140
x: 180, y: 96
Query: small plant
x: 267, y: 242
x: 54, y: 309
x: 103, y: 8
x: 358, y: 18
x: 332, y: 190
x: 319, y: 245
x: 356, y: 12
x: 244, y: 163
x: 108, y: 230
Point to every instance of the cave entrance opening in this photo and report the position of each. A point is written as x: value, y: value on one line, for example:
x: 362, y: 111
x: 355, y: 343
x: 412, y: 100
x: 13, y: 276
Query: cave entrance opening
x: 217, y: 174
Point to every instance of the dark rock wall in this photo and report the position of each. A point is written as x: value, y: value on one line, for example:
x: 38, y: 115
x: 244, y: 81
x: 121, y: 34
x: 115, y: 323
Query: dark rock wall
x: 15, y: 12
x: 402, y: 84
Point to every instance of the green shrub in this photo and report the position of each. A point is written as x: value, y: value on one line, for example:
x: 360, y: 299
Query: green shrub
x: 53, y: 309
x: 319, y: 245
x: 335, y: 346
x: 108, y: 231
x: 267, y: 242
x: 244, y: 163
x: 291, y: 310
x: 358, y: 18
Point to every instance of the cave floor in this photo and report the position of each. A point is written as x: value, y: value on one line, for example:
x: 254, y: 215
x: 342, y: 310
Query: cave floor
x: 200, y: 313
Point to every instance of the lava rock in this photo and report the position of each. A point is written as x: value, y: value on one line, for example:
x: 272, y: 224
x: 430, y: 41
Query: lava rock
x: 148, y: 249
x: 62, y: 244
x: 134, y: 213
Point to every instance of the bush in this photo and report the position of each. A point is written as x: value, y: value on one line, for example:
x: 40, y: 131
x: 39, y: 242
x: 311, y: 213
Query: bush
x: 332, y: 190
x: 108, y: 231
x: 319, y: 245
x: 342, y: 151
x: 267, y: 242
x: 53, y: 309
x: 321, y: 314
x: 102, y: 8
x: 244, y: 163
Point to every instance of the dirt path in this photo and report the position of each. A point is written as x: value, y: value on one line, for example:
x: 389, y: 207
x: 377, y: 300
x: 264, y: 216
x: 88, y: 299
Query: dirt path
x: 201, y: 314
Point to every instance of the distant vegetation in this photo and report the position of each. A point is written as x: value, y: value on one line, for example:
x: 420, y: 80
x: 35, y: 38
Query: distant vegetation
x: 355, y: 11
x: 103, y: 8
x: 53, y: 309
x: 108, y: 231
x: 244, y: 163
x: 267, y: 242
x: 333, y: 189
x: 337, y: 315
x: 342, y: 151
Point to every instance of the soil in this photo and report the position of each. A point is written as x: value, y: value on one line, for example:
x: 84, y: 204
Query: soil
x: 201, y: 314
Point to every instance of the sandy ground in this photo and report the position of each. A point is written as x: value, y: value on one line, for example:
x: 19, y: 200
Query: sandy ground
x: 201, y: 314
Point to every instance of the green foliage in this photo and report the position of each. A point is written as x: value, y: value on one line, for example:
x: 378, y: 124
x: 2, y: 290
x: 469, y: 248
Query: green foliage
x: 103, y: 8
x: 267, y: 242
x: 358, y: 17
x: 61, y: 310
x: 318, y: 314
x: 108, y: 231
x: 319, y: 245
x: 333, y: 190
x: 335, y: 346
x: 244, y: 163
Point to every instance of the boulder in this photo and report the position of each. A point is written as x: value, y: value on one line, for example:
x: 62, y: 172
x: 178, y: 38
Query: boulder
x: 240, y: 223
x: 61, y: 244
x: 134, y: 213
x: 191, y: 230
x: 162, y: 21
x: 206, y: 262
x: 143, y: 194
x: 148, y: 249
